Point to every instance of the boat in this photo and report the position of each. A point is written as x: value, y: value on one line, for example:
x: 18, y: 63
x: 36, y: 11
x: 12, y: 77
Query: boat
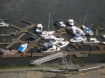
x: 48, y: 37
x: 103, y: 42
x: 78, y: 38
x: 70, y: 22
x: 47, y: 34
x: 59, y: 24
x: 87, y: 30
x: 39, y: 28
x: 32, y: 38
x: 22, y: 47
x: 103, y: 36
x: 62, y: 44
x: 56, y: 40
x: 3, y: 24
x: 49, y: 47
x: 92, y: 40
x: 74, y: 30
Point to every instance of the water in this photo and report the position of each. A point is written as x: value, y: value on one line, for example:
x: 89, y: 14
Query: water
x: 36, y: 11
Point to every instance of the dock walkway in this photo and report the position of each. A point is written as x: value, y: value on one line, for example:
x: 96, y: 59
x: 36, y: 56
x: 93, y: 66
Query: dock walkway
x: 47, y: 58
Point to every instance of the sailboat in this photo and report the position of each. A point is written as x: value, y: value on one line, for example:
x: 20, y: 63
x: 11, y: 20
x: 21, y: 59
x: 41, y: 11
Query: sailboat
x: 48, y: 34
x: 87, y: 30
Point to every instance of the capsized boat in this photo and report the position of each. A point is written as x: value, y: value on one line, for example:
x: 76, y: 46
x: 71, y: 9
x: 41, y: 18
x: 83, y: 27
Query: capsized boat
x: 78, y: 38
x: 87, y: 30
x: 22, y: 47
x: 3, y: 24
x: 59, y: 24
x: 92, y: 40
x: 49, y: 47
x: 74, y: 30
x: 39, y: 28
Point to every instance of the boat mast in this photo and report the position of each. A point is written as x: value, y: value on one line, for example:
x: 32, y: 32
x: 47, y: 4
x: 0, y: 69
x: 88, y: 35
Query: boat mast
x: 49, y: 21
x: 85, y: 16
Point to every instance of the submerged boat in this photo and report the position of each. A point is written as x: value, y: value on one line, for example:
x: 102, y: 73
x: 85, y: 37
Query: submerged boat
x: 78, y: 38
x: 74, y: 30
x: 22, y: 47
x: 3, y: 24
x: 39, y: 28
x: 32, y: 38
x: 49, y: 47
x: 92, y: 40
x: 59, y: 24
x: 87, y: 30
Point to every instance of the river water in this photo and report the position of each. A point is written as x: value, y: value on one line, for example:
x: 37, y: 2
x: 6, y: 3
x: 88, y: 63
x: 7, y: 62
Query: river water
x: 36, y: 11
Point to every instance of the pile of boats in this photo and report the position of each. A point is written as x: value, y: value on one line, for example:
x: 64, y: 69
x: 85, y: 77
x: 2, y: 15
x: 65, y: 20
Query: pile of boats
x: 55, y: 43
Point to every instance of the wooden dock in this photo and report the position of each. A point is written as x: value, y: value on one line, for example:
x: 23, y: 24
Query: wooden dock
x: 16, y: 40
x: 4, y: 34
x: 33, y: 44
x: 23, y: 30
x: 97, y: 29
x: 76, y: 53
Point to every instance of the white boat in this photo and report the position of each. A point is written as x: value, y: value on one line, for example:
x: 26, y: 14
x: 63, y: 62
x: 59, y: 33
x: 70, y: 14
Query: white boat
x: 87, y: 30
x: 70, y: 22
x: 22, y: 47
x: 47, y: 35
x: 49, y: 47
x: 92, y: 40
x: 78, y: 38
x: 103, y: 36
x: 62, y: 44
x: 39, y: 28
x: 56, y: 40
x: 74, y: 30
x: 103, y: 42
x: 3, y: 24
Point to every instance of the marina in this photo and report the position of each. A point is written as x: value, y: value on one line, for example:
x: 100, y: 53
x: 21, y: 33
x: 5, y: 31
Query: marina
x: 17, y: 33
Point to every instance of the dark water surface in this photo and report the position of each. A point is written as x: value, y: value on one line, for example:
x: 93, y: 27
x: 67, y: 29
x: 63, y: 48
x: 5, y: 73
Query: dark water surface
x: 36, y: 11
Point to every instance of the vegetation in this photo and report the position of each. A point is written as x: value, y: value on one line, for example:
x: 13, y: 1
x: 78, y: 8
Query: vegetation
x: 76, y: 61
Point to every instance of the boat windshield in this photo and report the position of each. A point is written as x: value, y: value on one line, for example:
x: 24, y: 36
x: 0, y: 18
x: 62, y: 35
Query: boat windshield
x: 60, y: 44
x: 1, y: 21
x: 39, y: 28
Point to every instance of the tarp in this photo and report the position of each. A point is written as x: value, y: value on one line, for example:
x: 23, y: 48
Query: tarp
x: 20, y: 49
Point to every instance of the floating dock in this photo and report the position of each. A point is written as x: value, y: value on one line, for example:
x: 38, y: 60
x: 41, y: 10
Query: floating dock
x: 4, y: 34
x: 76, y: 53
